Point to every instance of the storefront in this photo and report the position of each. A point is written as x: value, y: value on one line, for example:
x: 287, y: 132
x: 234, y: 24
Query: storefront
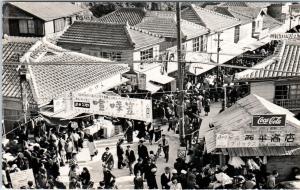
x: 257, y: 130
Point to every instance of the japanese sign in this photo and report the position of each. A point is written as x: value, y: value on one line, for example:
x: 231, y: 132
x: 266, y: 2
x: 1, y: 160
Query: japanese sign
x: 19, y: 179
x: 269, y: 120
x: 115, y: 106
x: 285, y: 36
x: 241, y: 139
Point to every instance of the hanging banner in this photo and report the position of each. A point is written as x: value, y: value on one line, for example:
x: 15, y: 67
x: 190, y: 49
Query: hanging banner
x: 142, y: 81
x: 114, y: 106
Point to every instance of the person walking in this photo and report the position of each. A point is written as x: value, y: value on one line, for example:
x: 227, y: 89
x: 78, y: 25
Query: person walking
x: 85, y: 178
x: 165, y: 146
x: 207, y: 106
x: 69, y: 149
x: 271, y: 180
x: 92, y: 147
x: 138, y: 181
x: 174, y: 185
x: 150, y: 170
x: 143, y: 151
x: 130, y: 156
x: 107, y: 177
x: 165, y: 179
x: 120, y: 153
x: 107, y: 159
x: 139, y: 167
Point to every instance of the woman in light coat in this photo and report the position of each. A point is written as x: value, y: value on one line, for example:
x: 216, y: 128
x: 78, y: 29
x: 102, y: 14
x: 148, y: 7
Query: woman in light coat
x: 92, y: 147
x: 174, y: 185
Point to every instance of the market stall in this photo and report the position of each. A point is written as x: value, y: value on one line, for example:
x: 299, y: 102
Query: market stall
x: 255, y: 131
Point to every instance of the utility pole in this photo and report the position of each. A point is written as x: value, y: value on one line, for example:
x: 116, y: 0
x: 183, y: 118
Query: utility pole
x: 180, y: 76
x: 218, y: 54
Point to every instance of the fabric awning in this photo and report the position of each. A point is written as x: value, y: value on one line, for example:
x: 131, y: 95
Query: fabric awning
x: 152, y: 87
x: 162, y: 79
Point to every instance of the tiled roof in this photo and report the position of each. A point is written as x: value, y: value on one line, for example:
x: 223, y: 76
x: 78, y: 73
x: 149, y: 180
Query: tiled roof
x: 251, y: 12
x: 289, y: 61
x: 48, y: 10
x: 167, y: 27
x: 131, y: 15
x: 208, y: 18
x: 13, y: 50
x: 111, y: 35
x: 234, y: 4
x: 270, y: 22
x: 53, y: 80
x: 161, y: 14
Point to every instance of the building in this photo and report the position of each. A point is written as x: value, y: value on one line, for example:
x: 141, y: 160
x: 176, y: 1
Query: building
x: 237, y: 134
x: 282, y: 88
x: 37, y: 19
x: 119, y: 42
x: 37, y: 73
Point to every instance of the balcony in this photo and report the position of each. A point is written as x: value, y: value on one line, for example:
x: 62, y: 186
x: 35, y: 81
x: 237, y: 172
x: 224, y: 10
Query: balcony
x: 290, y: 104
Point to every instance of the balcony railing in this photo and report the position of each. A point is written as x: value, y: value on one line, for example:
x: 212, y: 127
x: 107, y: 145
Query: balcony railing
x: 291, y: 104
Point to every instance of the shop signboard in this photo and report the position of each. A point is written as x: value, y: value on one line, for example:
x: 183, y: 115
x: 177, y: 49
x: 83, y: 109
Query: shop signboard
x: 269, y: 120
x: 115, y: 106
x: 20, y: 178
x: 235, y: 139
x: 285, y: 36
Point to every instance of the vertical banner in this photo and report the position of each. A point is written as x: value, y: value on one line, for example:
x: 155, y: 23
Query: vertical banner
x: 114, y: 106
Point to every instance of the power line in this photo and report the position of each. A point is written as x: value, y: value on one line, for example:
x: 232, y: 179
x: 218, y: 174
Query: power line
x: 98, y: 63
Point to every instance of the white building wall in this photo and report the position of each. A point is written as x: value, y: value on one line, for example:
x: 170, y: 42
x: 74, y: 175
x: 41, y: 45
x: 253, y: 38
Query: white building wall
x: 49, y: 27
x: 264, y: 89
x: 227, y: 36
x: 246, y: 31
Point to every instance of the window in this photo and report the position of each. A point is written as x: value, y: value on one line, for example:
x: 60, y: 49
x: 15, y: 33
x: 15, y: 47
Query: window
x: 281, y: 92
x: 147, y: 54
x: 59, y: 25
x: 291, y: 91
x: 116, y: 56
x: 236, y: 34
x: 196, y: 44
x: 199, y: 44
x: 26, y: 27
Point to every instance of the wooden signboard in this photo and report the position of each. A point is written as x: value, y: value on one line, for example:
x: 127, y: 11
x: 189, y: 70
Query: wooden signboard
x: 21, y: 178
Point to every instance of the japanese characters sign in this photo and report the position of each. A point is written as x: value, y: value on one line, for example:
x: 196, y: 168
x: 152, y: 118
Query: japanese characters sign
x: 269, y: 120
x: 241, y: 139
x: 115, y: 106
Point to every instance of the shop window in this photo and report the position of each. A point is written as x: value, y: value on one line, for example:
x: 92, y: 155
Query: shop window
x: 59, y: 25
x: 26, y: 27
x: 147, y: 54
x: 282, y: 92
x: 295, y: 91
x: 236, y: 34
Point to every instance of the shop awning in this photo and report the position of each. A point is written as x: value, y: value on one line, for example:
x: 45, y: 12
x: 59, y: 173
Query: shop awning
x: 152, y: 87
x: 264, y: 151
x: 162, y: 79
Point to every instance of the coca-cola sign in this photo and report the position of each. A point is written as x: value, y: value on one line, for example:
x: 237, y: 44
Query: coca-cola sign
x: 269, y: 120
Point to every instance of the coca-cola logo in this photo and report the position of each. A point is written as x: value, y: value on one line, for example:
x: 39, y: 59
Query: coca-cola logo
x: 269, y: 120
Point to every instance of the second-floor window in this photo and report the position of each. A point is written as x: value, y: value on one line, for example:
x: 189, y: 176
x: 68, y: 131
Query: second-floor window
x: 199, y: 44
x: 236, y: 34
x: 291, y: 91
x: 26, y: 27
x: 147, y: 54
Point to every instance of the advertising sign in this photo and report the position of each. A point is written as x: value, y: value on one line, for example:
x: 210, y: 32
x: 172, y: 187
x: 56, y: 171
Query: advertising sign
x: 115, y: 106
x: 285, y: 36
x: 142, y: 81
x: 269, y: 120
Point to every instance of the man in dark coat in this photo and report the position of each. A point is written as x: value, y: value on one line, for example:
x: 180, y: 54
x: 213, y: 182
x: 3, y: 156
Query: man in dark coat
x: 107, y: 177
x: 150, y: 169
x: 139, y: 167
x: 143, y: 151
x: 165, y: 178
x: 107, y: 159
x: 130, y: 158
x: 120, y: 153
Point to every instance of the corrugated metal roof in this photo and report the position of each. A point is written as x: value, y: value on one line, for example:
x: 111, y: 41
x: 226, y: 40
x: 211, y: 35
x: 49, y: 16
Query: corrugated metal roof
x: 289, y: 61
x: 48, y: 10
x: 264, y: 151
x: 119, y: 36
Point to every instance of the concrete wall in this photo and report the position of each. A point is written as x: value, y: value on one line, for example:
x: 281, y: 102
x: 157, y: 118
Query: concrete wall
x: 263, y: 89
